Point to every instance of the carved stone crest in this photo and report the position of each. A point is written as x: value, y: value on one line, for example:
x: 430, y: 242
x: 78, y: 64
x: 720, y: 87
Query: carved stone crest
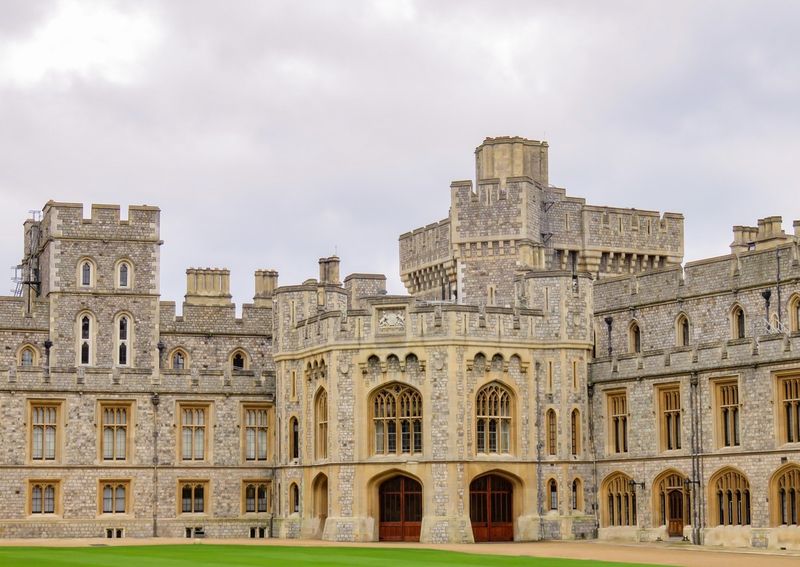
x: 392, y: 320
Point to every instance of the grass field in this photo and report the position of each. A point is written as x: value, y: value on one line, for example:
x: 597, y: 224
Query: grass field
x: 222, y: 555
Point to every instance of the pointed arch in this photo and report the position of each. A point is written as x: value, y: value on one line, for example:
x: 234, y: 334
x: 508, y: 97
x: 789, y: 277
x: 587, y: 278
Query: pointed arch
x: 321, y: 424
x: 617, y: 501
x: 85, y: 338
x: 494, y: 406
x: 27, y: 356
x: 794, y: 313
x: 682, y: 330
x: 576, y: 500
x: 738, y: 321
x: 575, y: 432
x: 239, y: 360
x: 784, y: 502
x: 86, y: 272
x: 634, y: 337
x: 123, y: 339
x: 179, y: 359
x: 396, y: 419
x: 551, y: 431
x: 729, y: 498
x: 671, y: 504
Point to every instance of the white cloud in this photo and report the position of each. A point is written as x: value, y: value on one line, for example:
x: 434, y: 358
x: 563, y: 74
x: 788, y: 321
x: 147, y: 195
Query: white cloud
x: 86, y: 39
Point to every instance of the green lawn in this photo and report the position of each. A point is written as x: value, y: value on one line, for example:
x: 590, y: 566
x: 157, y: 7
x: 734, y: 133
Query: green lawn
x: 221, y: 555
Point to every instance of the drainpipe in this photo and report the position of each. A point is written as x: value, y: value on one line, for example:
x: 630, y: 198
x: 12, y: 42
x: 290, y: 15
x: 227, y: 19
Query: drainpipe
x: 154, y: 399
x: 695, y: 480
x: 609, y: 321
x: 595, y: 504
x: 778, y: 285
x: 539, y: 473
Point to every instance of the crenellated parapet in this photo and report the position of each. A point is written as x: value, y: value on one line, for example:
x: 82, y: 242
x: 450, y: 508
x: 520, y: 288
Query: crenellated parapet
x: 66, y: 220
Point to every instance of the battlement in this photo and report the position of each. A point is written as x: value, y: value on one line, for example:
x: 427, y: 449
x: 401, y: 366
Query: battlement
x: 66, y: 220
x: 768, y: 234
x: 208, y: 286
x: 511, y: 156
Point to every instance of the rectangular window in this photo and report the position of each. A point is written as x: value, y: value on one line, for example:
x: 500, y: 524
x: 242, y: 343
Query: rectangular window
x: 194, y: 432
x: 726, y: 396
x: 193, y: 496
x: 44, y: 431
x: 114, y: 496
x: 256, y: 496
x: 789, y: 406
x: 44, y: 497
x: 256, y: 433
x: 618, y: 422
x: 114, y: 429
x: 669, y: 402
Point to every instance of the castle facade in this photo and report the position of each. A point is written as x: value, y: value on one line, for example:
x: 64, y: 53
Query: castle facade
x: 555, y: 372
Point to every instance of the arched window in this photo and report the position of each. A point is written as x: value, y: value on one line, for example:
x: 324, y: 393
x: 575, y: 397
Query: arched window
x: 321, y: 418
x: 179, y: 359
x: 737, y: 322
x: 294, y: 438
x: 239, y: 360
x: 27, y: 356
x: 634, y: 338
x: 294, y: 498
x: 575, y: 432
x: 729, y: 498
x: 397, y: 411
x: 671, y: 499
x: 124, y: 331
x: 785, y: 500
x: 618, y: 500
x: 85, y: 334
x: 86, y: 273
x: 577, y: 494
x: 256, y: 497
x: 493, y: 419
x: 552, y: 491
x: 794, y: 313
x: 124, y: 274
x: 682, y: 330
x: 551, y: 432
x: 114, y: 501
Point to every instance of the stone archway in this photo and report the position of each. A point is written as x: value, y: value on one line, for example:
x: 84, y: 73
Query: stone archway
x: 399, y: 509
x: 320, y: 502
x: 491, y: 509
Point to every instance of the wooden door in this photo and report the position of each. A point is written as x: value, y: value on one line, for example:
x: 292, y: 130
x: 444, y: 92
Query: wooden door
x: 675, y: 513
x: 490, y: 509
x: 400, y: 509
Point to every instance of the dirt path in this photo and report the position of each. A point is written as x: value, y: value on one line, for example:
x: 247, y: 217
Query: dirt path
x: 657, y: 553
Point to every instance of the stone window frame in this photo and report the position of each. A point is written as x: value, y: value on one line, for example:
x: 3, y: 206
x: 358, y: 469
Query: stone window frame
x: 79, y: 273
x: 321, y: 424
x: 294, y: 438
x: 125, y: 261
x: 59, y: 425
x: 239, y: 351
x: 551, y: 491
x: 618, y: 501
x: 35, y: 357
x: 785, y: 510
x: 787, y: 408
x: 616, y: 427
x: 417, y: 403
x: 193, y: 483
x: 723, y: 390
x: 114, y: 484
x: 501, y: 390
x: 55, y: 483
x: 80, y: 340
x: 576, y: 432
x: 182, y: 352
x: 683, y: 330
x: 634, y: 337
x: 294, y: 498
x: 738, y: 321
x: 268, y: 429
x: 736, y: 504
x: 576, y: 495
x: 293, y: 385
x: 256, y: 484
x: 794, y: 313
x: 130, y: 428
x: 208, y: 426
x: 551, y: 432
x: 127, y: 342
x: 669, y: 418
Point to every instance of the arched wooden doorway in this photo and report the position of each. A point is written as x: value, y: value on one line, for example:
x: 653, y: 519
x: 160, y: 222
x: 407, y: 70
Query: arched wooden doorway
x: 490, y: 508
x: 400, y: 500
x: 673, y: 502
x: 321, y: 501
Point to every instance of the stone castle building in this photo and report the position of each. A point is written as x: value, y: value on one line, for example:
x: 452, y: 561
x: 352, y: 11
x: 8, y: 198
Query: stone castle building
x: 555, y: 372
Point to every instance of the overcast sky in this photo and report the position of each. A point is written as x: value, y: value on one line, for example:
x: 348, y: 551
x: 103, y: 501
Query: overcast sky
x: 274, y: 133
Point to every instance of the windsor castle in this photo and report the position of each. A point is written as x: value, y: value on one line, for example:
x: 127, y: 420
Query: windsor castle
x: 555, y: 372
